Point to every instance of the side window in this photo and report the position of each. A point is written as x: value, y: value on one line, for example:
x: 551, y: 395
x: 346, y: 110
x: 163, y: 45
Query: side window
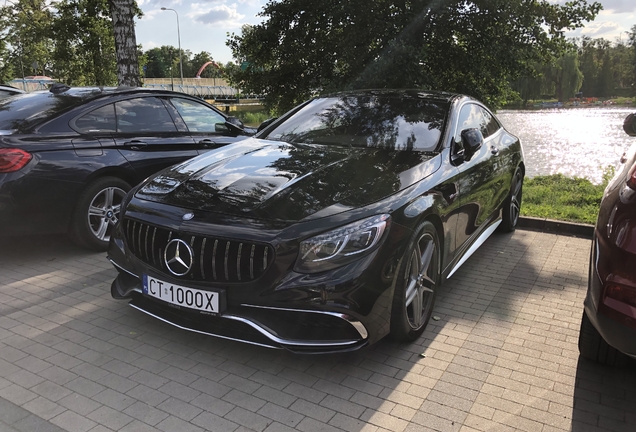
x: 99, y: 120
x: 471, y: 116
x: 6, y: 93
x: 198, y: 117
x: 143, y: 115
x: 492, y: 125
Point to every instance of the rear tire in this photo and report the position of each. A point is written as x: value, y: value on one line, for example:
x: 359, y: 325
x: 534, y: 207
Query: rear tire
x: 97, y: 212
x: 417, y: 282
x: 593, y: 347
x: 511, y: 209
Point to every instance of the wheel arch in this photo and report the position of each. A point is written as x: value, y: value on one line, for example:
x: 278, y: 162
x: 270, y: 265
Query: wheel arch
x: 112, y: 171
x: 108, y: 171
x: 522, y: 167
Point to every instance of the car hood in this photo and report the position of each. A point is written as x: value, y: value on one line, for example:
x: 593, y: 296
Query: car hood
x: 279, y: 181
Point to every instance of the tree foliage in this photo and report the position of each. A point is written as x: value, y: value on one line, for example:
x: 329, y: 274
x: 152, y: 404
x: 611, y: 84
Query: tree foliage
x: 475, y: 47
x: 26, y: 26
x: 566, y: 76
x: 632, y: 58
x: 160, y: 61
x: 84, y: 51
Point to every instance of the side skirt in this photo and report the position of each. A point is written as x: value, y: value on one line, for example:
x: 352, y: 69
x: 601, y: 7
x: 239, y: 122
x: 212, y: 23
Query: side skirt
x: 476, y: 244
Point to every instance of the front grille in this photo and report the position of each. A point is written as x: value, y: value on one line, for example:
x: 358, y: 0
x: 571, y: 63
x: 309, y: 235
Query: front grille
x: 215, y: 259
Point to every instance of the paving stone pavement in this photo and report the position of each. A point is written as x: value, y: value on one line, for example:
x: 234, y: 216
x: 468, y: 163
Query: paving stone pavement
x: 502, y: 356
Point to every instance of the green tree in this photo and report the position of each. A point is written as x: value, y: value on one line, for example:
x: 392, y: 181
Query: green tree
x: 566, y: 75
x: 472, y: 47
x: 6, y: 67
x: 26, y: 27
x: 161, y: 60
x: 211, y: 71
x: 84, y: 51
x: 632, y: 59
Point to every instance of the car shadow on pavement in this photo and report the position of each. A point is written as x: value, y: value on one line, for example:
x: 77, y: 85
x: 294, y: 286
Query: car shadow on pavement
x: 499, y: 354
x: 604, y: 397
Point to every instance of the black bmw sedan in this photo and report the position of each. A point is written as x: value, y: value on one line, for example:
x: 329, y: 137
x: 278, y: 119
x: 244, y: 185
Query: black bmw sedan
x: 69, y: 155
x: 331, y: 229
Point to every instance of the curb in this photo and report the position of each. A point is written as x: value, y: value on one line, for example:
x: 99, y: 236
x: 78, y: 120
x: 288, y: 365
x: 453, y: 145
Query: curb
x: 555, y: 226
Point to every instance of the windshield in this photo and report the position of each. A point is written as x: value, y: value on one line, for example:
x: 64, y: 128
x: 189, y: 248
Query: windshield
x: 393, y: 123
x: 22, y: 112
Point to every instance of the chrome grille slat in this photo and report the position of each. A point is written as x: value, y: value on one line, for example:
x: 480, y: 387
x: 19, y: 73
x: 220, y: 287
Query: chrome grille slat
x: 154, y: 260
x: 227, y: 252
x: 252, y: 262
x: 132, y: 239
x: 238, y: 262
x: 139, y: 239
x: 265, y: 259
x: 216, y: 243
x: 148, y: 243
x: 192, y: 247
x: 202, y: 260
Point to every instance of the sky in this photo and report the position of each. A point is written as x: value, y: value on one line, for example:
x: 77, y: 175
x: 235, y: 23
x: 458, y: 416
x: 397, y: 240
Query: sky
x: 204, y: 24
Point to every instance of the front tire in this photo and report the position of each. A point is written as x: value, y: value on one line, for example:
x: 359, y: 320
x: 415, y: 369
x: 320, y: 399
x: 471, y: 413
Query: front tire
x: 97, y: 212
x: 417, y: 283
x: 512, y: 205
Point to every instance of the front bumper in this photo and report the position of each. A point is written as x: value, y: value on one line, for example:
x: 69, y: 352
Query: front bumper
x: 338, y: 310
x: 296, y: 330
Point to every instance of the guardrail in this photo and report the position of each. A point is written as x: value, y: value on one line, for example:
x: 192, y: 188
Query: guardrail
x: 219, y: 92
x: 30, y: 85
x: 206, y: 91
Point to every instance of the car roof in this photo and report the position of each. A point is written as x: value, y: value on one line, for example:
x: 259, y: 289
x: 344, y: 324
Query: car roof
x: 88, y: 93
x: 34, y: 109
x: 441, y: 96
x: 11, y: 88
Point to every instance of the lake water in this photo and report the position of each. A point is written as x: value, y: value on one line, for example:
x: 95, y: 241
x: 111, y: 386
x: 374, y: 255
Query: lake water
x: 577, y: 142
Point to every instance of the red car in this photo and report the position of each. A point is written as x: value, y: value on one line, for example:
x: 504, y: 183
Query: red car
x: 608, y: 327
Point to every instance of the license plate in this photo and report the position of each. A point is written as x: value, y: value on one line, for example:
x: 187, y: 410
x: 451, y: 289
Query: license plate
x: 206, y: 301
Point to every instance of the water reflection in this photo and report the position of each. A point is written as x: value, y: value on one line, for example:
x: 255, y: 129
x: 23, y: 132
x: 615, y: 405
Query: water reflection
x: 577, y: 142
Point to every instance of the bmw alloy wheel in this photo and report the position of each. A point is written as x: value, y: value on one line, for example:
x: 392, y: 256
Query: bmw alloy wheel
x: 103, y: 211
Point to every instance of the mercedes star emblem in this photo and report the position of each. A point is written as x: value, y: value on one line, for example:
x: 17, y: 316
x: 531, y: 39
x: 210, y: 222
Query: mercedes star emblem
x: 178, y: 257
x: 187, y: 216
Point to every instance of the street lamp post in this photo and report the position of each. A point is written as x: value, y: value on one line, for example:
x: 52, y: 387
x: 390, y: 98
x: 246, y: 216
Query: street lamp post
x: 179, y: 39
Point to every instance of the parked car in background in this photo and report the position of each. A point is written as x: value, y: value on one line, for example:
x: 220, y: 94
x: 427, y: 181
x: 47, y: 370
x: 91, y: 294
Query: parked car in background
x: 608, y: 326
x: 68, y: 156
x: 7, y: 90
x: 332, y: 228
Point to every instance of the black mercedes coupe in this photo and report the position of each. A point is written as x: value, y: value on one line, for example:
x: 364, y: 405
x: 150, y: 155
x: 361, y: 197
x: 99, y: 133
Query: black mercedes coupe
x: 332, y: 228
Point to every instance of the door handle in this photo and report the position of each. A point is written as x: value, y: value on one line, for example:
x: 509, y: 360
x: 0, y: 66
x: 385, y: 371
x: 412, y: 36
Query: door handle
x: 494, y: 150
x: 207, y: 143
x: 136, y: 145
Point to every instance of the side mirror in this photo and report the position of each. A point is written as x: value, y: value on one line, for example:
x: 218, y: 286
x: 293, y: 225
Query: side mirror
x: 221, y: 128
x: 472, y: 140
x: 629, y: 125
x: 266, y: 123
x: 234, y: 125
x: 235, y: 121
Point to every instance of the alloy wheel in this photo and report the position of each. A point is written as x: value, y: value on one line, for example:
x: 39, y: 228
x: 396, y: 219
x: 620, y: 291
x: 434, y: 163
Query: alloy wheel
x: 103, y: 211
x: 515, y: 200
x: 421, y: 281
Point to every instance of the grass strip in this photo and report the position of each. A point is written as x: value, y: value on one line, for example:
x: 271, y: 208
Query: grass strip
x: 563, y: 198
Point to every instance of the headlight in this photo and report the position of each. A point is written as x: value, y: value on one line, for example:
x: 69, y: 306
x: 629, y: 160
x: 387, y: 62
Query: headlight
x: 340, y: 246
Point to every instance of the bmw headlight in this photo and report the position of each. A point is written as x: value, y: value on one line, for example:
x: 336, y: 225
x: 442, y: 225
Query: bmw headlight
x: 341, y: 245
